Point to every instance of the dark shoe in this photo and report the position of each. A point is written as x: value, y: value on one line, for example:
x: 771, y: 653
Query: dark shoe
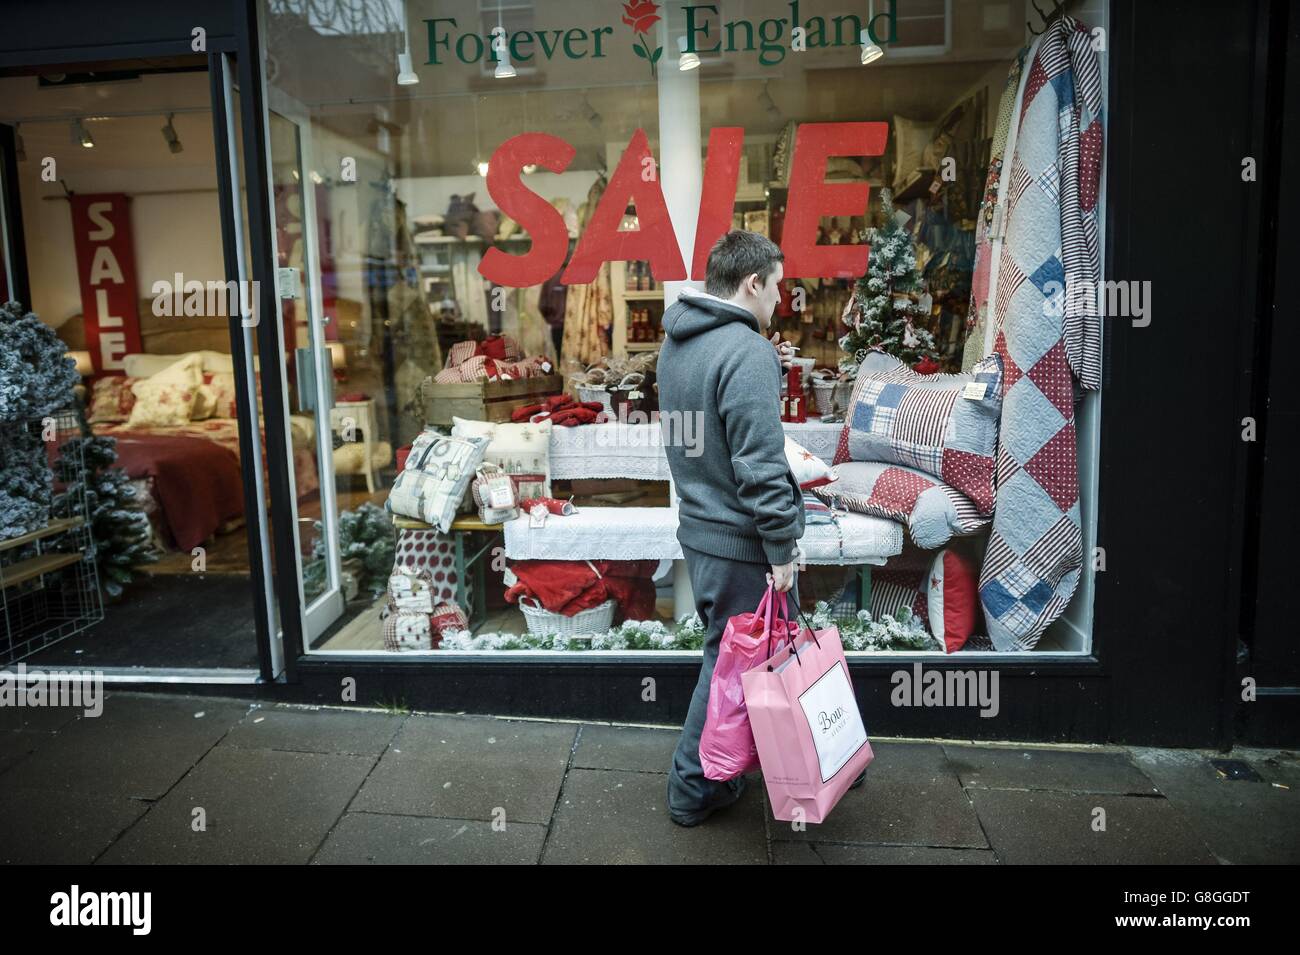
x: 734, y: 789
x: 860, y: 780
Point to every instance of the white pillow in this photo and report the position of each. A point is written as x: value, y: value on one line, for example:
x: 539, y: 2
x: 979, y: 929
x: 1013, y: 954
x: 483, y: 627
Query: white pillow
x: 146, y: 366
x: 516, y: 447
x: 187, y: 371
x: 809, y: 470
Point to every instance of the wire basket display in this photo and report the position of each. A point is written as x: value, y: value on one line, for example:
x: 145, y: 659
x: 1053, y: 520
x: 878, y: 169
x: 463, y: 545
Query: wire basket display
x: 49, y: 583
x: 595, y: 619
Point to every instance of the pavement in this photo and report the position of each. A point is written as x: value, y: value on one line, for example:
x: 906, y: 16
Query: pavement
x: 197, y: 779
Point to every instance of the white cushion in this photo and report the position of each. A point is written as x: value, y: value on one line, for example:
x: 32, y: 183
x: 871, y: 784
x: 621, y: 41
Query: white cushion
x: 517, y: 448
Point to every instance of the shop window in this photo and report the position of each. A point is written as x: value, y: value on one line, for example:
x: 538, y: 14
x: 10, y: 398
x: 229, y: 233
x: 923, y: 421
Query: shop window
x: 440, y: 318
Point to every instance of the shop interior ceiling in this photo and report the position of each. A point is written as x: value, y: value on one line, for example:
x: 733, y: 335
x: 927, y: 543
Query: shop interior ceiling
x: 125, y: 120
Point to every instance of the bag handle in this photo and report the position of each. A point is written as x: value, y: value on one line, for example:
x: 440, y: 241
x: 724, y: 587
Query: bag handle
x: 784, y: 613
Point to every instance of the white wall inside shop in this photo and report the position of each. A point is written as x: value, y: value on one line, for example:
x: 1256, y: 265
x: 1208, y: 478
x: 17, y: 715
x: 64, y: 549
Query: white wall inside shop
x: 175, y: 216
x: 430, y: 195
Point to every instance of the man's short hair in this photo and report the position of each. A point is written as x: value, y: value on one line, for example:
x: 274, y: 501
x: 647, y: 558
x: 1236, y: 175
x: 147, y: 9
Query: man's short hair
x: 735, y: 257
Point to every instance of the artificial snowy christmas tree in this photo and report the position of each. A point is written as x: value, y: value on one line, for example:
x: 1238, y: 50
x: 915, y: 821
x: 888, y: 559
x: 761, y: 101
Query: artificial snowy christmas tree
x: 880, y: 314
x: 36, y: 379
x: 123, y: 538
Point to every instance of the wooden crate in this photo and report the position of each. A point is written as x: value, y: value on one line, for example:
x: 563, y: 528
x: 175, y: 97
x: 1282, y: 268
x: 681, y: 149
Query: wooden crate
x: 484, y: 400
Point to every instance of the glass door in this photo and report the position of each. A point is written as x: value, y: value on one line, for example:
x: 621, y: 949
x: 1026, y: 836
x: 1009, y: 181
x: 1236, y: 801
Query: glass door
x: 308, y: 366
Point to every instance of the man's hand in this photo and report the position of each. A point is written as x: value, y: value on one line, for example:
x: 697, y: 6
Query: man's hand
x: 784, y: 350
x: 782, y: 577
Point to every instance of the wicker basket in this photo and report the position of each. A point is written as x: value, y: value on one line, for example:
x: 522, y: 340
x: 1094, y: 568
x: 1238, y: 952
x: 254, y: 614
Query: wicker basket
x: 832, y: 394
x: 595, y: 619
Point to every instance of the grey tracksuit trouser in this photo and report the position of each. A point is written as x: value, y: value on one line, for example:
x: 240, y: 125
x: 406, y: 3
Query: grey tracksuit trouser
x: 723, y: 588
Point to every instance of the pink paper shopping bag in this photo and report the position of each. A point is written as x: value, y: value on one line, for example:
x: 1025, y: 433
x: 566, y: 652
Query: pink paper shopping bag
x: 726, y: 743
x: 811, y: 741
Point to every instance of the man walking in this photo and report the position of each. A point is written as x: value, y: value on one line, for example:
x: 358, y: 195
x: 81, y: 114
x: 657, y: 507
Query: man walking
x: 740, y: 511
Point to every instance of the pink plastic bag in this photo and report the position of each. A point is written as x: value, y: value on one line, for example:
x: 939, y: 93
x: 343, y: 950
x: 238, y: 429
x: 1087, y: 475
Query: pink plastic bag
x: 811, y: 741
x: 726, y: 743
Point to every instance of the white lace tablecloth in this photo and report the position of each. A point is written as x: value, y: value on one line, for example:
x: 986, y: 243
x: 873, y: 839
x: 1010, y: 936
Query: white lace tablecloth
x: 646, y: 533
x: 636, y: 450
x: 609, y: 451
x: 818, y: 438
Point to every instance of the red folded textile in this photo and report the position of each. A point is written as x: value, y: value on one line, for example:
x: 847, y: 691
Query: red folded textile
x: 568, y: 586
x: 574, y: 416
x: 550, y: 503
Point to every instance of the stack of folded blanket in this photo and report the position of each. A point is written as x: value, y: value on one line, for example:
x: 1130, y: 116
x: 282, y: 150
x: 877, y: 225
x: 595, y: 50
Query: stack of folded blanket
x: 561, y: 410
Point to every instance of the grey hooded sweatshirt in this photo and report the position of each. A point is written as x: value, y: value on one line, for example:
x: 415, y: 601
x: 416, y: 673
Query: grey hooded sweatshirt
x: 720, y: 390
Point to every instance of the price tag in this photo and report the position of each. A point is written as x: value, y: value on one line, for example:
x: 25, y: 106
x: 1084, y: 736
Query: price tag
x: 537, y: 516
x: 975, y: 390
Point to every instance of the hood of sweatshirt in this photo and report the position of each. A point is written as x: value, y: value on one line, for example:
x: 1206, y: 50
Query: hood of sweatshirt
x: 695, y: 312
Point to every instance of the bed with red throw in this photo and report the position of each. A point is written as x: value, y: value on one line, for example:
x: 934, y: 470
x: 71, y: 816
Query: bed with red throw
x: 197, y: 483
x: 190, y: 478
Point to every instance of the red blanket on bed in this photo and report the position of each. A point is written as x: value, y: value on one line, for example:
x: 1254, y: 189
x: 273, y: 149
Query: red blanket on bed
x: 198, y: 483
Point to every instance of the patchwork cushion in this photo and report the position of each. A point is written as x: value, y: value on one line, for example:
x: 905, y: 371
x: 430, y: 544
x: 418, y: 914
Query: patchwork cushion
x: 111, y: 399
x: 943, y: 425
x: 932, y: 511
x: 436, y: 477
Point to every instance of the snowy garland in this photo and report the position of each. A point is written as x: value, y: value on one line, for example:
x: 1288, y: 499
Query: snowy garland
x: 859, y: 632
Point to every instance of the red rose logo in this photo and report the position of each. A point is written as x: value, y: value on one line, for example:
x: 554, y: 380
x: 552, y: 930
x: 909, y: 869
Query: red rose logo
x: 641, y: 15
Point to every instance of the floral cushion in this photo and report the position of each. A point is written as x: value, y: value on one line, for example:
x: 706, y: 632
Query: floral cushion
x: 111, y: 399
x: 942, y: 425
x: 162, y: 404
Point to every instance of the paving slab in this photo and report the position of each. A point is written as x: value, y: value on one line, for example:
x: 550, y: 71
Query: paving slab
x: 61, y: 827
x: 41, y: 719
x: 1040, y: 828
x: 987, y: 767
x: 364, y: 838
x: 140, y: 746
x: 611, y: 816
x: 1245, y: 823
x: 17, y: 745
x: 261, y: 807
x: 911, y: 797
x: 315, y: 731
x: 469, y: 767
x: 638, y: 749
x: 820, y: 853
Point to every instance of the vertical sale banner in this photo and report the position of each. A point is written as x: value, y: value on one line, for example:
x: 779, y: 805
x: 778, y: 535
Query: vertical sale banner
x: 101, y: 232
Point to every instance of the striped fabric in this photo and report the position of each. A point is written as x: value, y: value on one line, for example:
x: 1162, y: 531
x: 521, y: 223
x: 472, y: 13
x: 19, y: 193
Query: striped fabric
x: 945, y: 426
x: 932, y: 511
x: 1047, y: 338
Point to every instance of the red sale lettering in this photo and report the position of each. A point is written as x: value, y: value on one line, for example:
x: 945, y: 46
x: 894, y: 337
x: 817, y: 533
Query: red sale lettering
x: 534, y: 214
x: 654, y: 241
x: 811, y: 197
x: 101, y: 231
x: 718, y: 197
